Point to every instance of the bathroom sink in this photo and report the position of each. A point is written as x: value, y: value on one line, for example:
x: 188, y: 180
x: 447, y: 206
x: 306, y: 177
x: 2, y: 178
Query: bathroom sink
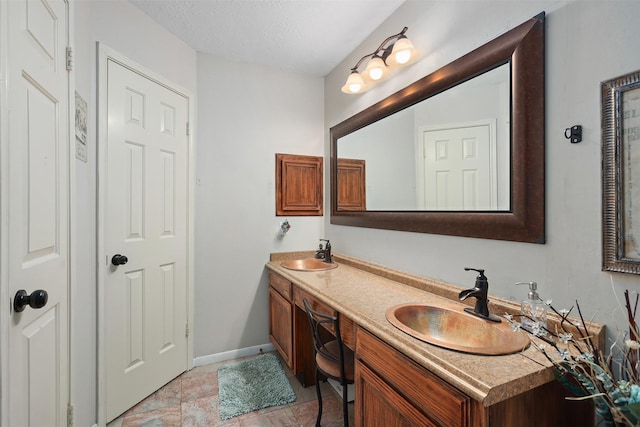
x: 308, y: 264
x: 450, y: 327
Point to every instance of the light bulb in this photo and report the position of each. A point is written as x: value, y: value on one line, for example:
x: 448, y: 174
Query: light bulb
x: 402, y: 51
x: 354, y: 84
x: 376, y: 68
x: 403, y: 56
x: 375, y: 74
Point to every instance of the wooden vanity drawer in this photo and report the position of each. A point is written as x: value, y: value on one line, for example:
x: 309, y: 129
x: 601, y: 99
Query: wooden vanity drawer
x: 440, y: 402
x: 347, y: 331
x: 299, y: 295
x: 280, y: 284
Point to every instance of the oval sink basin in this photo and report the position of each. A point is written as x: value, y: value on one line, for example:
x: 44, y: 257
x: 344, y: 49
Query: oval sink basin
x: 448, y: 326
x: 308, y: 264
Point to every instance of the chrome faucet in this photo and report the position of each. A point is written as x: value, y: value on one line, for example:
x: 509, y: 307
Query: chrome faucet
x: 480, y: 293
x: 324, y: 254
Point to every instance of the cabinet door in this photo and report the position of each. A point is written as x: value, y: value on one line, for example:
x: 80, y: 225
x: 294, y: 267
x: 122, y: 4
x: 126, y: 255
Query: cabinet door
x: 377, y: 404
x: 352, y: 195
x: 280, y: 325
x: 299, y: 185
x: 438, y: 401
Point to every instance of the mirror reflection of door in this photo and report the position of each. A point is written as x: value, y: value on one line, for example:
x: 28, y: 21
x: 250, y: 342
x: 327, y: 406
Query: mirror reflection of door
x: 457, y: 169
x: 351, y: 185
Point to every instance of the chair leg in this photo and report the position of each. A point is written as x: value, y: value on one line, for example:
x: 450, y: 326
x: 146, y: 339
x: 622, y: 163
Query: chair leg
x: 319, y: 400
x: 345, y: 407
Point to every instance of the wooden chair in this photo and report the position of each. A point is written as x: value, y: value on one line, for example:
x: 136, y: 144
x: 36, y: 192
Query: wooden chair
x: 333, y: 359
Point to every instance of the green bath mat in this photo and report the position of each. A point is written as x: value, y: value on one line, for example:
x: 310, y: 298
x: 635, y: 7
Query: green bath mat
x: 251, y: 385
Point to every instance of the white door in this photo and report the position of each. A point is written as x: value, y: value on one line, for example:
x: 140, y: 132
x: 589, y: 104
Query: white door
x: 145, y: 220
x: 36, y: 212
x: 459, y: 168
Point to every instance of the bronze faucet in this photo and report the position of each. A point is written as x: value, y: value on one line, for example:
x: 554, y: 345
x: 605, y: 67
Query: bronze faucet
x: 324, y: 254
x: 480, y: 293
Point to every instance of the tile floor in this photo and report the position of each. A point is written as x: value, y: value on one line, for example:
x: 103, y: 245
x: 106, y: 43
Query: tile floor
x: 191, y: 400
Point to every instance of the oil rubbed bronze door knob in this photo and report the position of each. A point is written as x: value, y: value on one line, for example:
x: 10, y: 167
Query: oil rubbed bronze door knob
x: 118, y: 259
x: 37, y: 299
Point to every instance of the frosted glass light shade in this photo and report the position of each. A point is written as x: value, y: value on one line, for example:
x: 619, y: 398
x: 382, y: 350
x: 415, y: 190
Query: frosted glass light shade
x: 355, y: 83
x: 376, y: 69
x: 403, y: 52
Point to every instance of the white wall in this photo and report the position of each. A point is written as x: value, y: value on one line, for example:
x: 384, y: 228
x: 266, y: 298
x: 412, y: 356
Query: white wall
x: 125, y: 29
x: 247, y: 113
x: 586, y: 42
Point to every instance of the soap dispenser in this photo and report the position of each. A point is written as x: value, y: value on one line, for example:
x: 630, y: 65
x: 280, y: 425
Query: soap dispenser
x: 533, y: 309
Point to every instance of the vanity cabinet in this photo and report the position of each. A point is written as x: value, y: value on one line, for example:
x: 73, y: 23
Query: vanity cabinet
x: 280, y: 317
x: 393, y: 388
x: 384, y: 406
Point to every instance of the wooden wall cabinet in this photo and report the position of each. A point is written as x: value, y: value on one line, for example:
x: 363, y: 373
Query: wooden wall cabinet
x: 299, y: 185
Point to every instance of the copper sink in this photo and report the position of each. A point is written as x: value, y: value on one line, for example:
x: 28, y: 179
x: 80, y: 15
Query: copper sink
x: 308, y: 264
x: 448, y: 326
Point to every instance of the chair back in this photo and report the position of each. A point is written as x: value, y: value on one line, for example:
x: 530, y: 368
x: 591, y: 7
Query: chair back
x: 318, y: 321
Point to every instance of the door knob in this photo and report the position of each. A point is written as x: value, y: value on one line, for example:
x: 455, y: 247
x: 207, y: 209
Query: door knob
x: 118, y: 259
x: 37, y: 299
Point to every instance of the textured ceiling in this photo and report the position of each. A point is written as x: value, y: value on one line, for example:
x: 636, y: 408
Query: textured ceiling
x: 306, y: 36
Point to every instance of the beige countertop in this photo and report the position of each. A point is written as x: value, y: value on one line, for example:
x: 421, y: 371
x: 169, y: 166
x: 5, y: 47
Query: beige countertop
x: 363, y: 292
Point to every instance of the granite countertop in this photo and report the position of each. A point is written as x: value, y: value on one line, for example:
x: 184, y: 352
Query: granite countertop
x: 363, y: 292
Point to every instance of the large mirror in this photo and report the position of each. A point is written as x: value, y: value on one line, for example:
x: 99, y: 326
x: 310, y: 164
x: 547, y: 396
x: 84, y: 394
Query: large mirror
x: 459, y: 152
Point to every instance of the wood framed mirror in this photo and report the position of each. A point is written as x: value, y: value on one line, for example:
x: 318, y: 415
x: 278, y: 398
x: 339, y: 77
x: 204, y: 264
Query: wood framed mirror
x: 522, y: 218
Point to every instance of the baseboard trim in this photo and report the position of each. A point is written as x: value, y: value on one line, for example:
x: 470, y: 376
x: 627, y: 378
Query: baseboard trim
x: 232, y: 354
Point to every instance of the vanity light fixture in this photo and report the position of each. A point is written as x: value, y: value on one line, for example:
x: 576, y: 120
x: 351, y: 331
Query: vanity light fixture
x: 398, y: 53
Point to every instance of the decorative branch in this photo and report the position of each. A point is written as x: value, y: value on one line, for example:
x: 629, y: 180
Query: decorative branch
x: 584, y: 370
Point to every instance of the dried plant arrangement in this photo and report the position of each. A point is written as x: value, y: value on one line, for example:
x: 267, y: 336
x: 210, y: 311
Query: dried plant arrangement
x: 609, y: 379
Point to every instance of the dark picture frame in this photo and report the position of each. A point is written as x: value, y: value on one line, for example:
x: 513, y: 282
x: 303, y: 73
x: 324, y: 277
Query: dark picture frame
x: 621, y: 174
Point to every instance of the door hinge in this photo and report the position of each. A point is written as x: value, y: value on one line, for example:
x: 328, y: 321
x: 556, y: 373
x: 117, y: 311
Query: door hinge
x: 69, y: 58
x: 69, y: 415
x: 187, y: 128
x: 186, y: 330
